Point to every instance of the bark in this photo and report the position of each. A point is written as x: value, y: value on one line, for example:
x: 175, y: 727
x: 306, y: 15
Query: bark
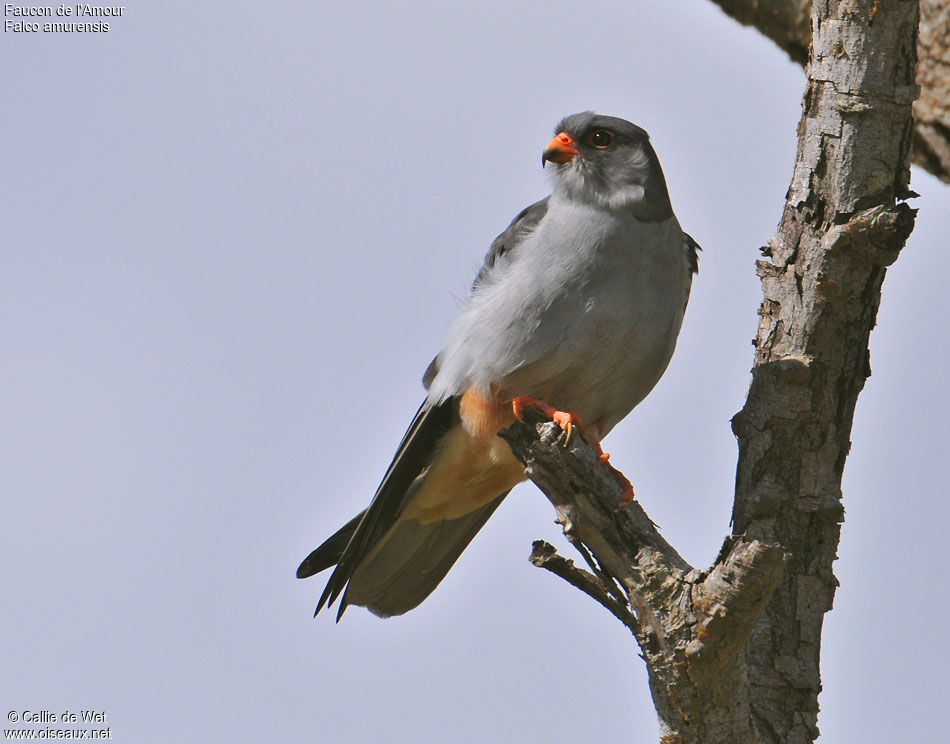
x: 843, y: 224
x: 787, y: 23
x: 733, y: 651
x: 692, y: 626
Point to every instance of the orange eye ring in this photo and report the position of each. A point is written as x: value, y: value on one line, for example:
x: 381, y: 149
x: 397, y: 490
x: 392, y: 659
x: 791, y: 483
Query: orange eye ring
x: 600, y: 138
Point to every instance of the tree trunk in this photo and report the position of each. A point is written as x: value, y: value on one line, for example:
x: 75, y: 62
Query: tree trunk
x: 841, y: 227
x: 787, y: 23
x: 733, y: 652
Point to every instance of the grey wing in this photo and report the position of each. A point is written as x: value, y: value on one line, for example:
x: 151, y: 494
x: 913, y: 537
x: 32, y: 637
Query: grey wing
x: 499, y: 254
x: 502, y: 246
x: 691, y: 247
x: 391, y: 565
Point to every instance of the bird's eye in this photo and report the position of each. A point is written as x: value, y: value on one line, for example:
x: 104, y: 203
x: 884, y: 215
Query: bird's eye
x: 600, y: 139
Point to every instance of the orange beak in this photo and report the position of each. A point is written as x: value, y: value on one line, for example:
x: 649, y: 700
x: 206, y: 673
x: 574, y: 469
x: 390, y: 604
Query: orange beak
x: 559, y: 150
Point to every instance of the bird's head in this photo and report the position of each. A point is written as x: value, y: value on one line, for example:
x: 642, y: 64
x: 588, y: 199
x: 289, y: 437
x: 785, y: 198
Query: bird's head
x: 608, y: 162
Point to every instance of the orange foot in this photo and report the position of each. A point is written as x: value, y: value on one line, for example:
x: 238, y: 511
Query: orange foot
x: 564, y: 419
x: 627, y: 497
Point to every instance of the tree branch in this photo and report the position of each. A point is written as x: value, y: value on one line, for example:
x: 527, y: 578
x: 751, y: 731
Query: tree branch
x: 692, y: 626
x: 544, y: 555
x: 788, y: 24
x: 732, y: 597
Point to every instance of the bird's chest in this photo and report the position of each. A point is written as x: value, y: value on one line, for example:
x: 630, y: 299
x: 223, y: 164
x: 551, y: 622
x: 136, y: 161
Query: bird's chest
x: 601, y: 285
x: 605, y: 316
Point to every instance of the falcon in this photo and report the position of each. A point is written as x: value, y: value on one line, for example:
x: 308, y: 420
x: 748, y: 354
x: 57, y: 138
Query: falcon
x: 576, y: 311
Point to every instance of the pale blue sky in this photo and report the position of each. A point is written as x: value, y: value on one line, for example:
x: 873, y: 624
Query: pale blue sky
x: 233, y: 236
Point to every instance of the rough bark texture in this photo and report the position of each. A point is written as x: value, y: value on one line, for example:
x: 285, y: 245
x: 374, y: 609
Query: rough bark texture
x: 843, y: 224
x: 787, y: 23
x: 692, y: 626
x: 932, y: 110
x: 733, y: 651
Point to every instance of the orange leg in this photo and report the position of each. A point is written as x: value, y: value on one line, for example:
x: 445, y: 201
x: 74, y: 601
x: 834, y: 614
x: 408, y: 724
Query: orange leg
x: 565, y: 419
x: 627, y: 497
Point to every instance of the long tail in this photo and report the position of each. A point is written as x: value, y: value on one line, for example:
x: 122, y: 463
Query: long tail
x: 331, y: 551
x: 387, y: 564
x: 410, y: 561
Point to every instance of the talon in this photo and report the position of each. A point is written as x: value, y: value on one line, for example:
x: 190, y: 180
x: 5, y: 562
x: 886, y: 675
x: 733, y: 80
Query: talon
x: 565, y: 419
x: 517, y: 406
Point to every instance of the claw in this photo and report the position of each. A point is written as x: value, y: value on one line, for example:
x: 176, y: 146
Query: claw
x: 517, y: 406
x: 565, y: 419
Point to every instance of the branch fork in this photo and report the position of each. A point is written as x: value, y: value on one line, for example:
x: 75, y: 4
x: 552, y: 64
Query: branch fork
x: 692, y: 626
